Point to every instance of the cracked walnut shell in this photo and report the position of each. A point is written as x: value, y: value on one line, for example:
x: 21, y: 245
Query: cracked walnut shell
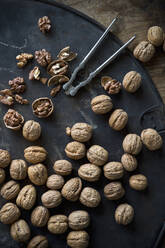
x: 5, y: 158
x: 75, y: 150
x: 18, y: 169
x: 97, y: 155
x: 138, y: 182
x: 114, y: 191
x: 40, y: 216
x: 132, y: 81
x: 35, y: 154
x: 43, y: 107
x: 57, y: 67
x: 71, y: 189
x: 13, y: 120
x: 113, y: 170
x: 101, y: 104
x: 81, y: 132
x: 124, y: 214
x: 58, y: 224
x: 144, y: 51
x: 78, y: 239
x: 89, y: 172
x: 10, y: 190
x: 155, y: 35
x: 78, y: 220
x: 90, y: 197
x: 38, y: 174
x: 129, y: 162
x: 27, y: 197
x: 132, y: 144
x: 51, y: 198
x: 57, y: 79
x: 9, y: 213
x: 66, y: 54
x: 38, y: 241
x: 118, y: 119
x: 62, y: 167
x: 151, y: 139
x: 20, y: 231
x: 31, y: 130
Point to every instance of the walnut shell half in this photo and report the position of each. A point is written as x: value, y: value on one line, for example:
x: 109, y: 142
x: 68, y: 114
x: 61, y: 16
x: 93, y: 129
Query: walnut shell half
x: 42, y: 107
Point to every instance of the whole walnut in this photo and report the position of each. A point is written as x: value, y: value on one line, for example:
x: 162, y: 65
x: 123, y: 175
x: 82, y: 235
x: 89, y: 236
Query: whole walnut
x: 78, y: 220
x: 155, y: 35
x: 10, y: 190
x: 132, y: 144
x: 9, y: 213
x: 75, y: 150
x: 20, y: 231
x: 90, y: 197
x: 114, y: 191
x: 101, y: 104
x: 55, y: 182
x: 81, y: 132
x: 124, y: 214
x: 89, y: 172
x: 132, y: 81
x: 138, y: 182
x: 78, y: 239
x: 38, y: 241
x: 129, y: 162
x: 35, y: 154
x: 58, y: 224
x: 62, y: 167
x: 31, y: 130
x: 39, y: 216
x: 71, y: 189
x: 118, y: 119
x: 151, y: 139
x: 18, y: 169
x: 38, y: 174
x: 27, y: 197
x: 113, y: 170
x: 2, y: 175
x: 97, y: 155
x: 51, y: 198
x: 144, y: 51
x: 5, y: 158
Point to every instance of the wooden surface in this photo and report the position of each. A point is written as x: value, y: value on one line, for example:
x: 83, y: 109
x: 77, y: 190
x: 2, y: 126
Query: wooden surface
x: 135, y: 17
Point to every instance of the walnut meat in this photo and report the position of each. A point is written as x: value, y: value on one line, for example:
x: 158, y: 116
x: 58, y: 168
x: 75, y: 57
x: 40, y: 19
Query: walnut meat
x: 112, y: 86
x: 124, y: 214
x: 151, y: 139
x: 18, y: 169
x: 20, y: 99
x: 6, y: 97
x: 114, y: 191
x: 78, y: 220
x: 9, y: 213
x: 101, y: 104
x: 13, y: 120
x: 40, y: 216
x: 23, y: 59
x: 2, y: 175
x: 38, y: 174
x: 51, y: 198
x: 132, y: 144
x: 62, y: 167
x: 57, y: 67
x: 118, y: 119
x: 90, y: 197
x: 81, y: 132
x: 20, y: 231
x: 129, y: 162
x: 44, y: 24
x: 31, y: 130
x: 155, y: 35
x: 71, y: 189
x: 10, y: 190
x: 35, y: 154
x: 27, y: 197
x: 75, y: 150
x: 34, y: 74
x: 138, y: 182
x: 43, y: 57
x: 66, y: 54
x: 43, y: 107
x: 132, y: 81
x: 113, y: 170
x: 89, y: 172
x: 17, y: 85
x: 58, y: 224
x: 97, y: 155
x: 78, y: 239
x: 144, y: 51
x: 38, y: 241
x: 55, y: 182
x: 5, y: 158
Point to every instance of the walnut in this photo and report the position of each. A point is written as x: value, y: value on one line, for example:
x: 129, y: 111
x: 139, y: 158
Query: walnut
x: 155, y: 35
x: 75, y: 150
x: 81, y: 132
x: 10, y: 190
x: 18, y: 169
x: 17, y: 85
x: 2, y: 175
x: 124, y: 214
x: 112, y: 86
x: 101, y: 104
x: 58, y: 224
x: 44, y: 24
x: 38, y: 241
x: 90, y: 197
x: 38, y: 174
x: 62, y: 167
x: 57, y: 79
x: 78, y: 239
x: 151, y: 139
x: 55, y: 182
x: 118, y: 119
x: 43, y: 107
x: 13, y: 120
x: 34, y: 74
x: 97, y: 155
x: 9, y: 213
x: 43, y: 57
x: 132, y: 81
x: 20, y: 99
x: 5, y: 158
x: 138, y: 182
x: 43, y: 80
x: 57, y: 67
x: 27, y: 197
x: 23, y: 59
x: 132, y: 144
x: 55, y: 90
x: 114, y: 191
x: 66, y: 54
x: 51, y: 198
x: 31, y: 130
x: 6, y: 97
x: 71, y: 189
x: 20, y: 231
x: 89, y: 172
x: 113, y: 170
x: 78, y: 220
x: 35, y: 154
x: 129, y: 162
x: 40, y: 216
x: 144, y: 51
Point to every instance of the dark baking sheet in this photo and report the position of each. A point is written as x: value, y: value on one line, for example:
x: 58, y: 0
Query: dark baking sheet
x: 19, y: 33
